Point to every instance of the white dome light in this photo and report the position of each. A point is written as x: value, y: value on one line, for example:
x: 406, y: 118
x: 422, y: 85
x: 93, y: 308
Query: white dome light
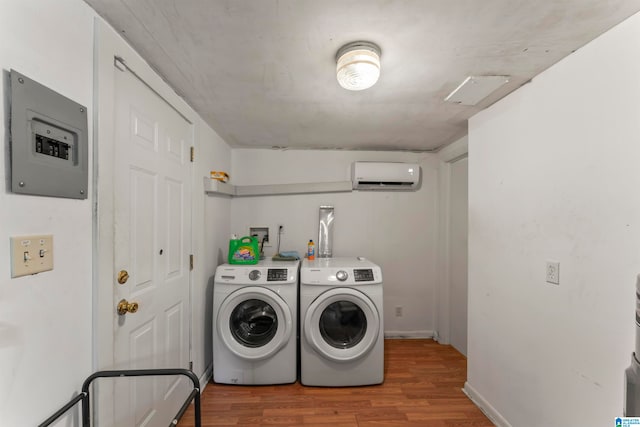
x: 358, y: 65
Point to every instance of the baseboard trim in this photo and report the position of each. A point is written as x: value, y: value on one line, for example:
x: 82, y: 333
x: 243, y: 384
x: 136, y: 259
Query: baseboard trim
x: 485, y: 406
x: 205, y: 377
x: 409, y: 334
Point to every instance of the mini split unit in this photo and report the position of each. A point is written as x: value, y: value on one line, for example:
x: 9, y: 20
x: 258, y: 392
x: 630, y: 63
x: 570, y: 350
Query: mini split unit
x: 385, y: 176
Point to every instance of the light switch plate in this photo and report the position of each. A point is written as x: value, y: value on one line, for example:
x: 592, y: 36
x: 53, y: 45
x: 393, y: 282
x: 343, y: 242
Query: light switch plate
x: 31, y: 254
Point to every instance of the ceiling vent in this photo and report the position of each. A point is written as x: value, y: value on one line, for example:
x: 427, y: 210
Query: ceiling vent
x: 476, y: 88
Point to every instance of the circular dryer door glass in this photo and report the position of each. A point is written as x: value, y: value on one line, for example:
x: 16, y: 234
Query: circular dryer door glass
x: 253, y: 323
x: 343, y: 324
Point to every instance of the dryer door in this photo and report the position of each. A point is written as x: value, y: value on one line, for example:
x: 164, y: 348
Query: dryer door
x: 342, y: 324
x: 254, y: 323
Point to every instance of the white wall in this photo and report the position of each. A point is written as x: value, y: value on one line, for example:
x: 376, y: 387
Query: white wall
x: 397, y: 230
x: 458, y: 286
x: 553, y: 175
x: 45, y: 319
x: 211, y: 239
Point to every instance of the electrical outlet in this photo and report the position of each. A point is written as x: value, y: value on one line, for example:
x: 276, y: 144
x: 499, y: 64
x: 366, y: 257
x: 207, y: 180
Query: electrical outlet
x: 553, y: 272
x: 398, y: 311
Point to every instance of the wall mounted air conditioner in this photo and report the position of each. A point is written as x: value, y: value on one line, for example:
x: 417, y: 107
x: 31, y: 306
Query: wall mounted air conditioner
x: 385, y: 176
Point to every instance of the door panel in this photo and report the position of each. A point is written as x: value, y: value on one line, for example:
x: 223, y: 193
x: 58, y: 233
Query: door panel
x: 176, y: 149
x: 144, y: 131
x: 142, y: 346
x: 152, y: 239
x: 173, y: 341
x: 174, y: 335
x: 142, y: 236
x: 174, y: 237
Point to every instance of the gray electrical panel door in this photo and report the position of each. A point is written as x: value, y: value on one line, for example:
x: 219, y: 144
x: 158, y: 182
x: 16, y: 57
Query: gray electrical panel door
x: 49, y: 150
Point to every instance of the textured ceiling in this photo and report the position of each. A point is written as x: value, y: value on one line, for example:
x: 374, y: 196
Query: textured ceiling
x: 262, y: 72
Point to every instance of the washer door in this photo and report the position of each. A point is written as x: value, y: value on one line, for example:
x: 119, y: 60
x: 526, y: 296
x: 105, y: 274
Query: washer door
x: 254, y: 323
x: 342, y: 324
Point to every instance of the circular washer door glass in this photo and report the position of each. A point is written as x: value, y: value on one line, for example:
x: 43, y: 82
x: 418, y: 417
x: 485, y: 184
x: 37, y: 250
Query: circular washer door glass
x: 253, y: 323
x: 343, y: 324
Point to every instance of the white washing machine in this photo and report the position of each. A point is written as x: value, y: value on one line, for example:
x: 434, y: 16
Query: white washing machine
x: 341, y: 322
x: 255, y: 323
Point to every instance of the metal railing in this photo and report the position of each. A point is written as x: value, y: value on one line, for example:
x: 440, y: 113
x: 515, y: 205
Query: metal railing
x: 84, y: 395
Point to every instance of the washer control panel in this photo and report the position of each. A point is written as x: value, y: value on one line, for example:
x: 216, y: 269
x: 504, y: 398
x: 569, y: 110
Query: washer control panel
x: 264, y: 273
x: 277, y: 275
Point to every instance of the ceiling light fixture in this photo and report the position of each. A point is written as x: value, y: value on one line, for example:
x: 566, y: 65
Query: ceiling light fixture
x: 358, y: 65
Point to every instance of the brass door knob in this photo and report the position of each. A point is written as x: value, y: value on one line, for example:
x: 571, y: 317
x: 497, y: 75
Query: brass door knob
x: 123, y: 276
x: 125, y: 307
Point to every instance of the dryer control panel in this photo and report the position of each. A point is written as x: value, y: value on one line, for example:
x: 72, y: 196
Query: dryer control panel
x: 266, y: 272
x: 363, y: 275
x: 342, y: 271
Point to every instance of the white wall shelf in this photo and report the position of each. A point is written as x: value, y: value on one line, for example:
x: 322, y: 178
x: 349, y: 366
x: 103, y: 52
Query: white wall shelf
x: 212, y: 186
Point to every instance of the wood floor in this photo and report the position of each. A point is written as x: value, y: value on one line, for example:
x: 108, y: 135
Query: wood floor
x: 422, y: 387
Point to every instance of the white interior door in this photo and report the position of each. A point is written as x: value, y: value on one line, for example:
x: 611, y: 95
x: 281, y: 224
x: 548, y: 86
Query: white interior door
x: 458, y: 253
x: 152, y: 232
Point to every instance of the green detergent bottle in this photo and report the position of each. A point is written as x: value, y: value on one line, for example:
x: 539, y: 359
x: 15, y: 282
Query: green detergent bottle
x: 244, y: 250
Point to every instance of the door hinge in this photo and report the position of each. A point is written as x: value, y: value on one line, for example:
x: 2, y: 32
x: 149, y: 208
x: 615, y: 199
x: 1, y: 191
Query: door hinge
x: 191, y: 262
x: 191, y: 366
x: 193, y: 153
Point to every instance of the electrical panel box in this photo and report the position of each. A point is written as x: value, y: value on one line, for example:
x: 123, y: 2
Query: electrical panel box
x: 49, y: 149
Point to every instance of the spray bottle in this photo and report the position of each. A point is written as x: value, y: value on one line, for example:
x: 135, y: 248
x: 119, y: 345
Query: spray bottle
x: 311, y: 251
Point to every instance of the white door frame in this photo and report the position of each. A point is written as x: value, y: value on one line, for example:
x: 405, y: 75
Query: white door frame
x: 447, y: 155
x: 109, y: 45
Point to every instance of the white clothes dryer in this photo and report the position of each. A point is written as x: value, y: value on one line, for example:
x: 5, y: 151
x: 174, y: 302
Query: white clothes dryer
x: 255, y: 323
x: 341, y: 322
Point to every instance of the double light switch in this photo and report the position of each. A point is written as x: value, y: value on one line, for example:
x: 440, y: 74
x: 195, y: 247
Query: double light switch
x: 31, y: 254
